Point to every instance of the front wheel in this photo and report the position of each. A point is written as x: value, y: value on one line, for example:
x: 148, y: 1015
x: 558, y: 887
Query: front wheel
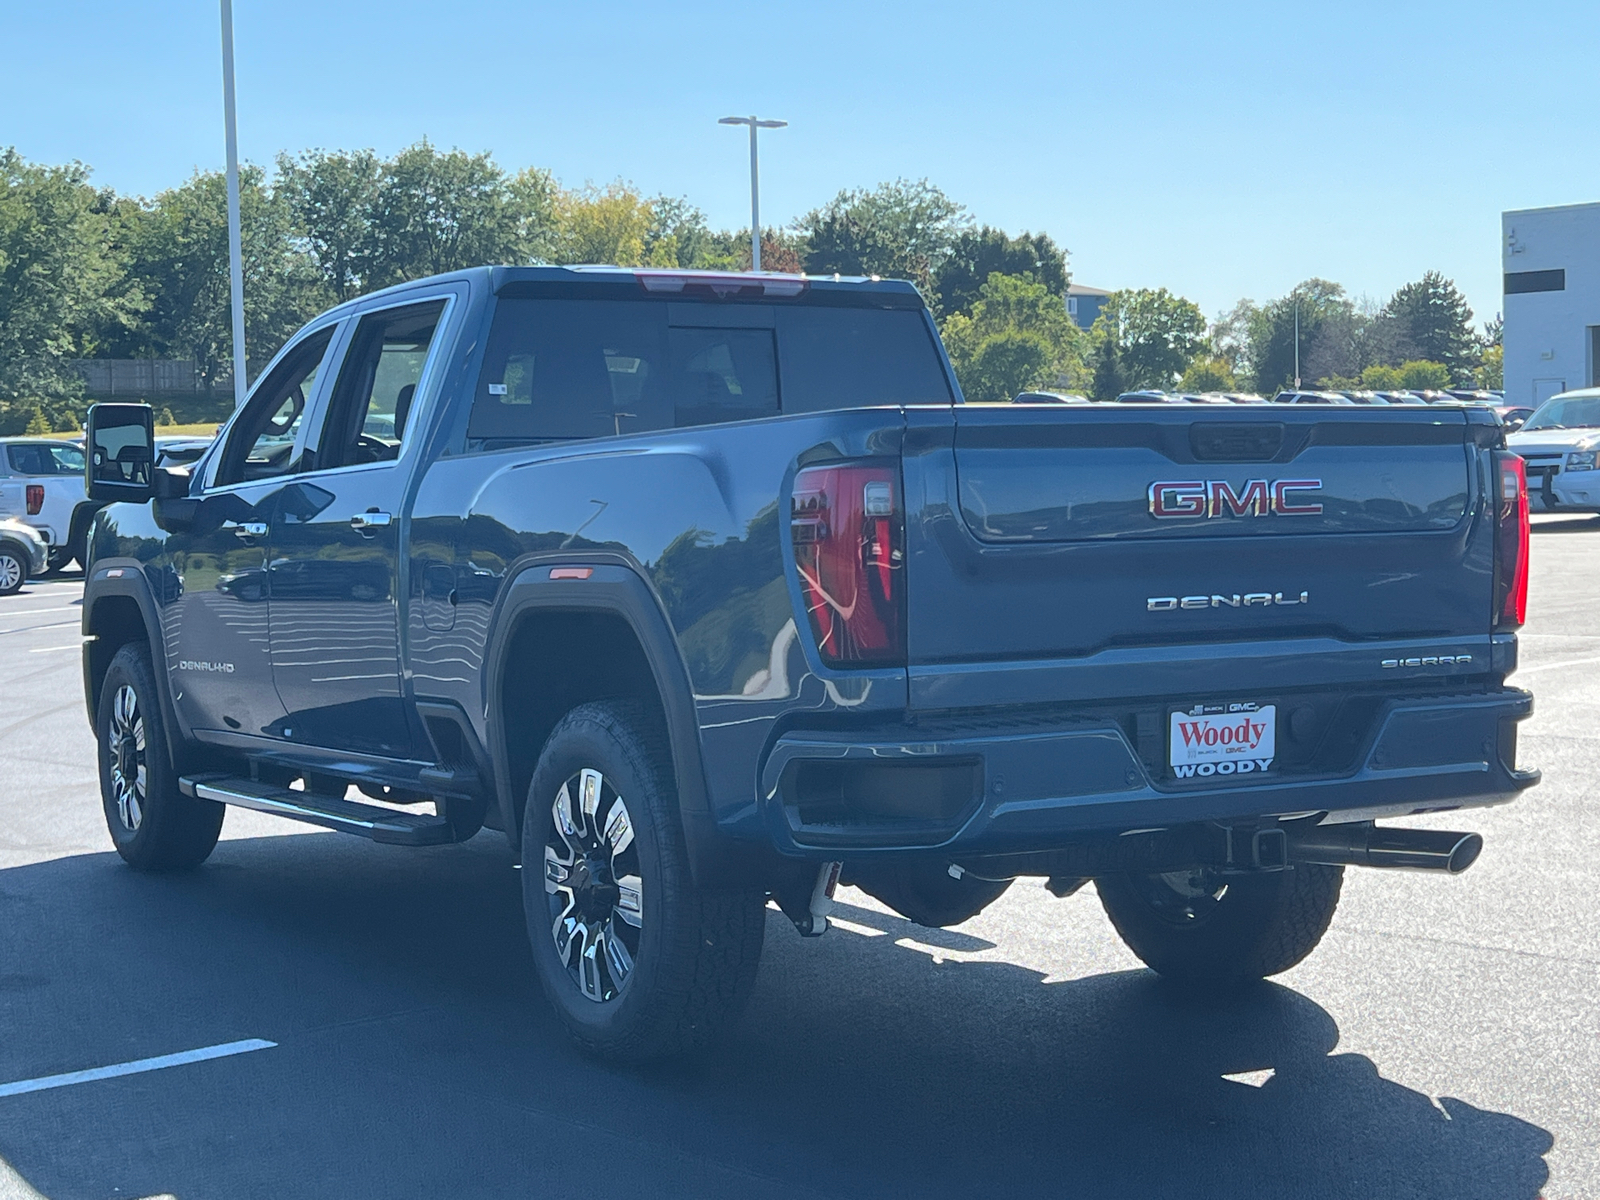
x: 638, y: 963
x: 154, y: 826
x: 1211, y: 931
x: 13, y: 571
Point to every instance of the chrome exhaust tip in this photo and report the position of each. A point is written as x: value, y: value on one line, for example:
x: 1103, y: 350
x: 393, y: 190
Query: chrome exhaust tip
x: 1398, y: 849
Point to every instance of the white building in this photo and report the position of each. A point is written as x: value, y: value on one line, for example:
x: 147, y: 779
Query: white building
x: 1551, y: 259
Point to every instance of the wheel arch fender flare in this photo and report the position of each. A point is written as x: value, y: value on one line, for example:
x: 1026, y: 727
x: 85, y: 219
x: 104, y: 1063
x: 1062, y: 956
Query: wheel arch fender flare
x: 123, y: 578
x: 613, y: 589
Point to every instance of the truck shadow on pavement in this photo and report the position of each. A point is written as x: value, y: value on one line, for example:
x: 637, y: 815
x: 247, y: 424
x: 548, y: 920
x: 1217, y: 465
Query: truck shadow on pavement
x: 415, y: 1057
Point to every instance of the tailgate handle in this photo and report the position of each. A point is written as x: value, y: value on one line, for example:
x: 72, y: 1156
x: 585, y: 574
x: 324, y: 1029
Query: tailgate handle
x: 1228, y: 442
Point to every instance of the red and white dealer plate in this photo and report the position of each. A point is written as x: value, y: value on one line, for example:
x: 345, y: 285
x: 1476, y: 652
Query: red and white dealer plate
x: 1223, y: 739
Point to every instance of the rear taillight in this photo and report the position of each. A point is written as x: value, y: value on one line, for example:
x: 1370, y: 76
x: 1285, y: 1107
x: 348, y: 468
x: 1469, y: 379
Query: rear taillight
x: 1511, y: 542
x: 848, y: 533
x: 35, y: 498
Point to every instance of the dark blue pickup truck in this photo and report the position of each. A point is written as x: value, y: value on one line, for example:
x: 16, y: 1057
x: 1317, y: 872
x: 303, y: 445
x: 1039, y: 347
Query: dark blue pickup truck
x: 708, y: 589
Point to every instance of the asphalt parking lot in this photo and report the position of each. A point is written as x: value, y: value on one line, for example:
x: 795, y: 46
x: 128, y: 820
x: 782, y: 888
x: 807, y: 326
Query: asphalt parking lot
x: 1443, y: 1042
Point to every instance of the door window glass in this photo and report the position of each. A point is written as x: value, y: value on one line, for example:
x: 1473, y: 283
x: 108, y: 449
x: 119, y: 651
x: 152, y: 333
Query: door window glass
x: 44, y: 459
x: 372, y: 402
x: 262, y: 442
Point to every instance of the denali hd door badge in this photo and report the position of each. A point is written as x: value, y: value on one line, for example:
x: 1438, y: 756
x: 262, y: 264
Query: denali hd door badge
x: 1216, y: 498
x: 1232, y: 600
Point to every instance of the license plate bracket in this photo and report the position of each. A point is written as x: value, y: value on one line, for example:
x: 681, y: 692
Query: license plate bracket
x: 1228, y: 738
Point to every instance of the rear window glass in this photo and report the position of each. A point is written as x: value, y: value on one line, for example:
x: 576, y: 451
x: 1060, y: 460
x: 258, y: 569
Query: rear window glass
x: 565, y: 369
x: 45, y: 460
x: 858, y: 358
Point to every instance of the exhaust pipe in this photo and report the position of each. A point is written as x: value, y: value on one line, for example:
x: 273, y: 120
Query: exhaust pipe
x: 1369, y: 846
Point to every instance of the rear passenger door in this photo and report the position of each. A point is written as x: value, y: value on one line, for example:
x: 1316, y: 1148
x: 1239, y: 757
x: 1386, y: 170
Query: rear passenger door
x: 336, y: 576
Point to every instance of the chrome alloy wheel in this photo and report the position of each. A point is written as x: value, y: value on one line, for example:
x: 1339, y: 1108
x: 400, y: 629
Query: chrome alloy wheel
x: 10, y: 573
x: 126, y: 748
x: 591, y: 878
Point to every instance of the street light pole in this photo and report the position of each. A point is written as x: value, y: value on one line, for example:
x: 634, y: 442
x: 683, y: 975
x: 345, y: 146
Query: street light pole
x: 1297, y: 345
x: 235, y: 240
x: 755, y: 182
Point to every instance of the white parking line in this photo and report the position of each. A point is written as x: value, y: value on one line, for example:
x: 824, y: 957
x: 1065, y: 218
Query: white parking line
x: 33, y: 612
x: 1556, y: 666
x: 53, y: 649
x: 45, y: 1083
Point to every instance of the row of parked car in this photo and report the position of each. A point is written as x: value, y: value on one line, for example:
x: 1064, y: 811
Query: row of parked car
x: 44, y: 513
x: 1512, y: 414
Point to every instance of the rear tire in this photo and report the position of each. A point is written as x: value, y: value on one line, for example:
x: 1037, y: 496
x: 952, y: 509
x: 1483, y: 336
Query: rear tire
x: 637, y: 962
x: 1214, y: 932
x: 154, y: 826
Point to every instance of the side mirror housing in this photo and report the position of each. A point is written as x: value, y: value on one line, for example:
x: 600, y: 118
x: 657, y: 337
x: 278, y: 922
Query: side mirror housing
x: 119, y: 453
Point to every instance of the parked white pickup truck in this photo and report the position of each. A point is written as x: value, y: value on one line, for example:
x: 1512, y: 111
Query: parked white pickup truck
x: 41, y: 483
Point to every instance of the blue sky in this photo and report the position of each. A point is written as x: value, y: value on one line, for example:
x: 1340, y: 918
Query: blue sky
x: 1220, y: 150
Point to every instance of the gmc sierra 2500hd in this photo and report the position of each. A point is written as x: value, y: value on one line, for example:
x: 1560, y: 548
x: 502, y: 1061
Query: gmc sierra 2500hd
x: 706, y: 588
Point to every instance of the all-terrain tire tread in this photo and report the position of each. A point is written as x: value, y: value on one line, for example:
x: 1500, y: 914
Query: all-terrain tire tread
x: 1266, y: 924
x: 706, y: 974
x: 178, y: 831
x: 1304, y: 913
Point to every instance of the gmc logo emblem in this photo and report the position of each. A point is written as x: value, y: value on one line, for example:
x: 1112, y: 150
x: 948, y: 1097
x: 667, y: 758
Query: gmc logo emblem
x: 1216, y: 498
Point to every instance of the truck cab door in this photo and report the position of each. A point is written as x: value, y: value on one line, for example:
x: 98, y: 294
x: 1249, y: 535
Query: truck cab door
x: 217, y: 624
x: 336, y: 574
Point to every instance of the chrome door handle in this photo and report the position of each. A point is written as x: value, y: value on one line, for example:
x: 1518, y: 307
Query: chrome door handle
x: 371, y: 520
x: 248, y: 529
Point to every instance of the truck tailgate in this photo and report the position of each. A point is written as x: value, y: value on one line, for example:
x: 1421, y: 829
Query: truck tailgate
x: 1066, y: 554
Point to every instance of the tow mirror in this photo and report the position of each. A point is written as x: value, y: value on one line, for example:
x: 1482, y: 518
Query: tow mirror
x: 119, y: 458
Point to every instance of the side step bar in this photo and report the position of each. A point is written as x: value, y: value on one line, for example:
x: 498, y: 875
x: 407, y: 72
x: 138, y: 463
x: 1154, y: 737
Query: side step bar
x: 364, y: 820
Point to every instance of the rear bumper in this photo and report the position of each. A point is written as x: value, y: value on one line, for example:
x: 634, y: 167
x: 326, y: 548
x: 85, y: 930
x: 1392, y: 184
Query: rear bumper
x: 1577, y: 489
x: 1027, y: 789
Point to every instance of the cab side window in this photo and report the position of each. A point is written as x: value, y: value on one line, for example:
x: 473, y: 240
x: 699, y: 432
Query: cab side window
x: 262, y: 442
x: 560, y: 370
x: 372, y: 400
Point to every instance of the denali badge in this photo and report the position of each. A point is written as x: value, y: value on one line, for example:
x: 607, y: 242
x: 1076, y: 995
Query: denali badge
x: 1235, y: 600
x: 1216, y: 498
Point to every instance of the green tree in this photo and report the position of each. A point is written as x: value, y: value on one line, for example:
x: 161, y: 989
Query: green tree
x: 38, y: 424
x: 899, y: 230
x: 434, y: 212
x: 1017, y: 337
x: 61, y: 278
x: 330, y: 199
x: 1432, y: 322
x: 1208, y: 375
x: 614, y: 224
x: 1107, y: 378
x: 1491, y: 371
x: 179, y: 253
x: 1420, y: 375
x: 1272, y: 332
x: 1380, y: 378
x: 1157, y: 335
x: 976, y: 254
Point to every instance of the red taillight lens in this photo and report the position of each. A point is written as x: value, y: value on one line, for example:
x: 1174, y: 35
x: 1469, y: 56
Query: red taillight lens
x: 848, y: 534
x: 1511, y: 542
x: 35, y: 498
